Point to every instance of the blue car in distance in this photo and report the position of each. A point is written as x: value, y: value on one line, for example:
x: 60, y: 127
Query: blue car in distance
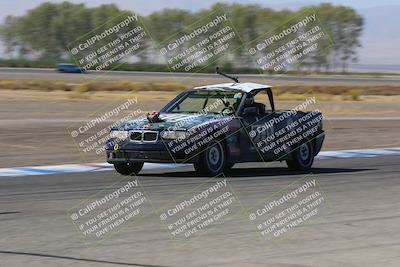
x: 69, y: 68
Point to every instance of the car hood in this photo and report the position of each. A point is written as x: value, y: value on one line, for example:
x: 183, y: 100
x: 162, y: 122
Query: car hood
x: 169, y: 121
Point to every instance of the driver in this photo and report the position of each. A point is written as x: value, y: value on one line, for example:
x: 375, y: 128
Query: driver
x: 249, y: 102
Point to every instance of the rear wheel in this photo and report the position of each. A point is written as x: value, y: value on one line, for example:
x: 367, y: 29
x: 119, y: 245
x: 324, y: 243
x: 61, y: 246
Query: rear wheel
x: 128, y: 168
x: 302, y: 158
x: 212, y: 161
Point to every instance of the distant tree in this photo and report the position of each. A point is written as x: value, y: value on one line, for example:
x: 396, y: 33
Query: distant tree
x: 344, y: 27
x: 13, y: 42
x: 164, y: 24
x: 47, y: 31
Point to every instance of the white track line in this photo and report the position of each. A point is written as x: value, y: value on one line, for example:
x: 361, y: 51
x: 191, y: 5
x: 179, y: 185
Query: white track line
x: 95, y: 167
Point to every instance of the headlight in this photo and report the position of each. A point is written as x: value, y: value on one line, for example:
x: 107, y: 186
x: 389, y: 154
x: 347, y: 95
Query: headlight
x: 119, y: 134
x: 180, y: 135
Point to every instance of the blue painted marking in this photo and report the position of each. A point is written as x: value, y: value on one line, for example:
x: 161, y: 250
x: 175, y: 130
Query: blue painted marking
x: 41, y: 171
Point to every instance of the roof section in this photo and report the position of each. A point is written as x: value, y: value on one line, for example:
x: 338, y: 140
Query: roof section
x: 244, y: 87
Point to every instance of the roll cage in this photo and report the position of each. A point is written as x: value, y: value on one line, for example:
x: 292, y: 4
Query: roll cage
x: 241, y: 106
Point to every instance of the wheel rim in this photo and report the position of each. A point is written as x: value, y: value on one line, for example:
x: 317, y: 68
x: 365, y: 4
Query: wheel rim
x: 214, y: 156
x: 304, y: 152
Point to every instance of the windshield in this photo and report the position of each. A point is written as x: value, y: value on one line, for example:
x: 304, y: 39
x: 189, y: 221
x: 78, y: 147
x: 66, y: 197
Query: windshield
x: 214, y: 102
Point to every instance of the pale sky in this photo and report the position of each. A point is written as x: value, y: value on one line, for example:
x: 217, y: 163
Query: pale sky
x: 18, y: 7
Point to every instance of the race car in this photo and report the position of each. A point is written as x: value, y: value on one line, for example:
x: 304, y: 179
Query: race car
x: 215, y: 126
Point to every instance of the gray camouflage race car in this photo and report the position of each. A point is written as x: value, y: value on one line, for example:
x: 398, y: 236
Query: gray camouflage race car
x: 215, y: 126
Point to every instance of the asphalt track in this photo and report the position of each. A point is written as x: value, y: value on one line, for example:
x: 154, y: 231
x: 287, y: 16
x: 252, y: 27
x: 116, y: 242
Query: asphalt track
x: 142, y: 76
x: 361, y: 229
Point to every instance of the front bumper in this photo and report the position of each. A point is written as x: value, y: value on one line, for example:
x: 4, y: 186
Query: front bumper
x: 155, y: 152
x: 319, y: 139
x: 143, y: 156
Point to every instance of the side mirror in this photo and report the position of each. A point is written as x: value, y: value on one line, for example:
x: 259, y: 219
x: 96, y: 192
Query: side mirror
x: 250, y: 111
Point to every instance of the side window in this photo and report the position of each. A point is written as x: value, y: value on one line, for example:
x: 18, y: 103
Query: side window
x: 262, y: 98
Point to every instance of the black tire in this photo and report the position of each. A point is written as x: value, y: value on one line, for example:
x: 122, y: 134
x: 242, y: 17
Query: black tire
x: 302, y: 158
x: 212, y: 161
x: 130, y: 168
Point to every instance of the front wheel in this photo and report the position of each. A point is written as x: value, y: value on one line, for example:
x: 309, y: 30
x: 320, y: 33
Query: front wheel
x: 302, y: 158
x: 212, y: 161
x: 128, y: 168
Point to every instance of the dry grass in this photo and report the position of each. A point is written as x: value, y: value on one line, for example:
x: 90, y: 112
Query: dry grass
x: 123, y: 85
x: 330, y: 105
x: 86, y: 90
x: 352, y: 91
x: 352, y: 94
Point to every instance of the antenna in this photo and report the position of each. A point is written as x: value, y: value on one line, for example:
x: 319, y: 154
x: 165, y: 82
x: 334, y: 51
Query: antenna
x: 236, y: 79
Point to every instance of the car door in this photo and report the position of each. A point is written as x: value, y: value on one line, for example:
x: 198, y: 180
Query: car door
x: 258, y: 128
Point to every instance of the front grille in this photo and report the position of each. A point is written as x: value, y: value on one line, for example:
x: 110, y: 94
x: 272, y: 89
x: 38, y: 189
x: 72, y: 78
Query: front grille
x: 150, y: 136
x: 136, y: 136
x: 144, y: 136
